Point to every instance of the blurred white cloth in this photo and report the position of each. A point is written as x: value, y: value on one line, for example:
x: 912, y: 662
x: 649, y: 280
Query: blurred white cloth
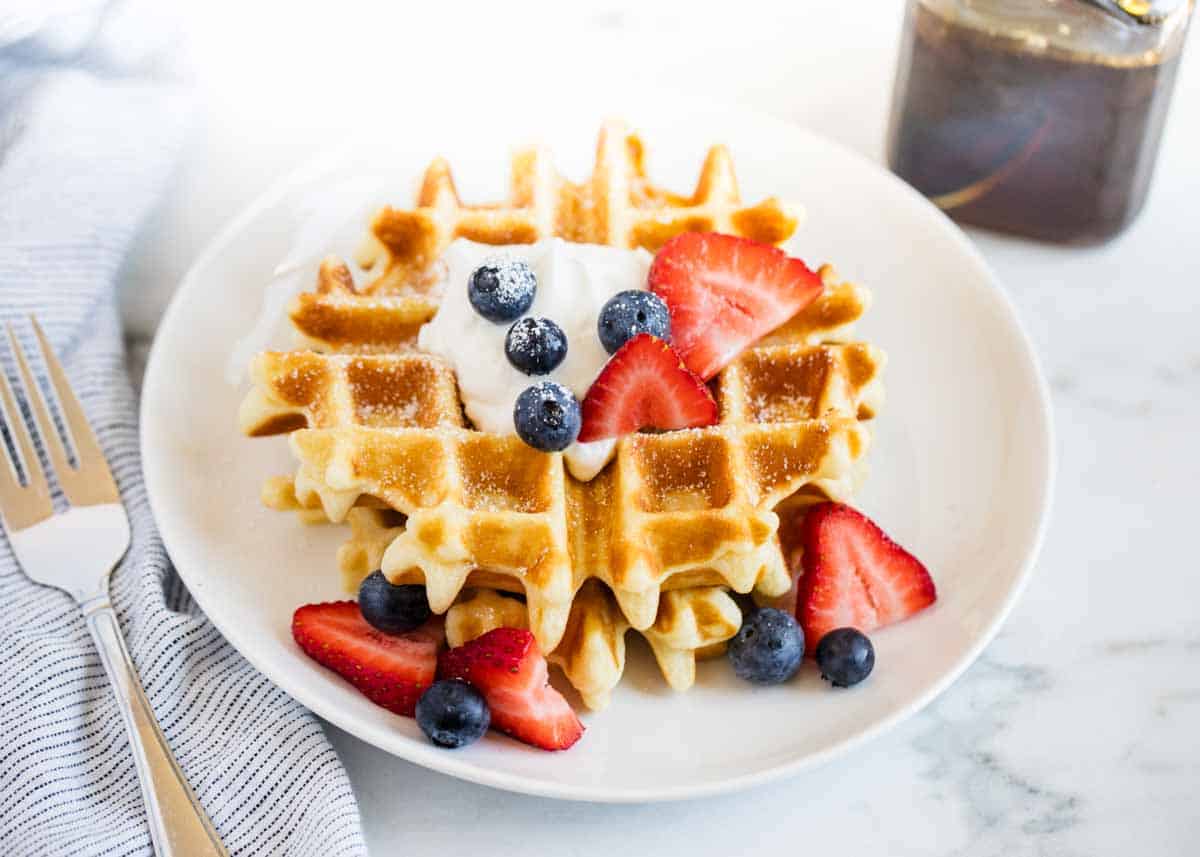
x: 91, y: 122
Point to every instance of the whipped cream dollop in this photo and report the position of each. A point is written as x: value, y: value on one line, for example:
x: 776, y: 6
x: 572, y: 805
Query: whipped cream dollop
x: 573, y: 282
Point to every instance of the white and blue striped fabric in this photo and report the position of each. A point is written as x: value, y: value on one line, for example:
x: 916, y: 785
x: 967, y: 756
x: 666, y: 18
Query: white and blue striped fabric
x: 86, y: 148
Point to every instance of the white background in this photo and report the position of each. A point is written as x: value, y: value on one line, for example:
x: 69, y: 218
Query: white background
x: 1074, y: 734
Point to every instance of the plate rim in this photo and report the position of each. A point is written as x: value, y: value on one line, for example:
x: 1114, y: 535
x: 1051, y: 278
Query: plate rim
x: 449, y: 764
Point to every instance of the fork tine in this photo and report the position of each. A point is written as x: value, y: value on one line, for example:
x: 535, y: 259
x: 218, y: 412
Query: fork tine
x: 21, y: 506
x: 37, y: 406
x: 92, y: 482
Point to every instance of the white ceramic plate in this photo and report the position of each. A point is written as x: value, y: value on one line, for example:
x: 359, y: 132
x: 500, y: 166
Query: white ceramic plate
x: 961, y: 465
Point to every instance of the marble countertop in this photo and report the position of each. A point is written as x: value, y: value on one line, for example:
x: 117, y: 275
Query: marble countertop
x: 1075, y: 732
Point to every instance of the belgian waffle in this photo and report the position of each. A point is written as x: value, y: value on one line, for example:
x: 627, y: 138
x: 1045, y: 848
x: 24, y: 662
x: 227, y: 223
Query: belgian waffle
x: 691, y: 623
x: 651, y: 543
x: 674, y: 510
x: 617, y: 206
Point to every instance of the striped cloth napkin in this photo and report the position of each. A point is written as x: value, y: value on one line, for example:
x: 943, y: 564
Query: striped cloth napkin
x: 87, y: 146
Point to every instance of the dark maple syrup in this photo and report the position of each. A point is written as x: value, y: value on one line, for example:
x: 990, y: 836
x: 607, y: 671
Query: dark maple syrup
x: 1023, y: 137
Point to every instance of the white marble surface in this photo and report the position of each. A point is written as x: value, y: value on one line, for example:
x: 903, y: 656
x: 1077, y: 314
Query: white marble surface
x: 1076, y: 732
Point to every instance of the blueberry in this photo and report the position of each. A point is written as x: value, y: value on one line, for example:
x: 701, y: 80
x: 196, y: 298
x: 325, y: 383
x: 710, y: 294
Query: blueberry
x: 547, y: 416
x: 452, y: 713
x: 392, y: 609
x: 535, y: 345
x: 845, y: 656
x: 768, y: 648
x: 502, y: 289
x: 629, y: 313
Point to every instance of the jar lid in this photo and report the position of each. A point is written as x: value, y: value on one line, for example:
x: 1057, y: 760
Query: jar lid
x: 1112, y: 32
x: 1149, y: 13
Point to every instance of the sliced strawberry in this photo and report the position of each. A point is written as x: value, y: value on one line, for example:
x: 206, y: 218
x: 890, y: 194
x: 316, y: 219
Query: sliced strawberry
x: 507, y: 668
x: 645, y: 385
x: 724, y: 293
x: 391, y: 670
x: 854, y: 575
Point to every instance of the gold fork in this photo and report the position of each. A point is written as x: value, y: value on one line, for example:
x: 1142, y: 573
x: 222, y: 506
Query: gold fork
x: 76, y: 551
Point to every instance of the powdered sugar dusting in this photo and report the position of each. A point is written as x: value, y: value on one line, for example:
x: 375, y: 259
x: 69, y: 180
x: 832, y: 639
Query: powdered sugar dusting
x: 514, y: 277
x: 573, y: 282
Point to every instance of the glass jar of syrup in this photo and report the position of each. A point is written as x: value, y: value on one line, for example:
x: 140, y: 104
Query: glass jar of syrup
x: 1036, y: 117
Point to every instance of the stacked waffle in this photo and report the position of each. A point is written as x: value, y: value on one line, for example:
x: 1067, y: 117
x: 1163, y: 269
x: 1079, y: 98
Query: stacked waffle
x: 501, y: 534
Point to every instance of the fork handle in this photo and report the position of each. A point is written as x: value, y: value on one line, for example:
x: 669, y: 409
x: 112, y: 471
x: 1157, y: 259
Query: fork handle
x: 178, y: 825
